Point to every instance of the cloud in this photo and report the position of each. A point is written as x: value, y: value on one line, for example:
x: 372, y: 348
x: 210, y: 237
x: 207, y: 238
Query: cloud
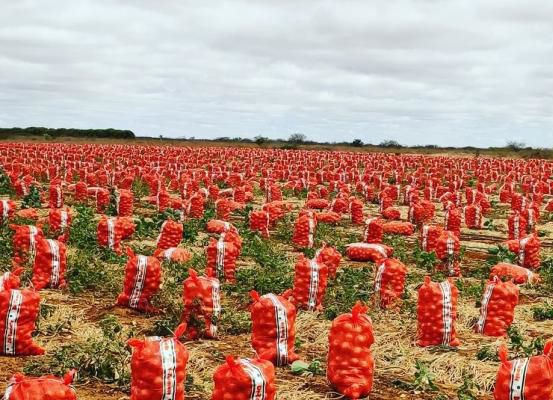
x: 417, y: 71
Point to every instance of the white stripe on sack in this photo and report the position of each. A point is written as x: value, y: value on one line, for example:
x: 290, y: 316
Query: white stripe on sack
x: 161, y: 232
x: 111, y: 233
x: 12, y: 317
x: 450, y: 255
x: 169, y: 253
x: 4, y: 278
x: 117, y: 201
x: 32, y: 241
x: 169, y: 367
x: 518, y: 379
x: 141, y: 266
x: 5, y: 209
x: 425, y: 229
x: 216, y: 300
x: 281, y: 320
x: 516, y: 222
x: 447, y: 308
x: 368, y: 222
x: 55, y: 259
x: 63, y: 220
x: 220, y: 258
x: 378, y: 279
x: 373, y: 246
x: 311, y: 234
x: 522, y: 251
x: 259, y: 385
x: 313, y: 284
x: 58, y: 196
x: 484, y: 308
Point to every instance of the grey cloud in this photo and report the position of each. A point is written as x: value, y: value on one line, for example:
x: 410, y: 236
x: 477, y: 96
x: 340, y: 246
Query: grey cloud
x: 418, y: 71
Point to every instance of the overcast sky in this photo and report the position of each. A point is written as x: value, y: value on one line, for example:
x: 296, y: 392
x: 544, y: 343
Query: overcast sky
x: 459, y: 72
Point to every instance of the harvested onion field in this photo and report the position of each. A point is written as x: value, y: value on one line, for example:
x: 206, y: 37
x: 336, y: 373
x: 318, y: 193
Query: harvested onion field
x: 320, y: 230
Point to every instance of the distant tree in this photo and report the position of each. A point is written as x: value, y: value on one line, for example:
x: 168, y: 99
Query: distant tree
x: 390, y: 143
x: 261, y: 140
x: 515, y: 146
x: 297, y: 138
x: 357, y: 143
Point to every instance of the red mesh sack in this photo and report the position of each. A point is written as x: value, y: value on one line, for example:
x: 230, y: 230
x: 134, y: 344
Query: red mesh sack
x: 436, y: 313
x: 10, y: 279
x: 517, y: 226
x: 549, y: 206
x: 158, y: 367
x: 161, y: 200
x: 374, y: 252
x: 55, y: 196
x: 7, y: 209
x: 498, y: 308
x: 170, y: 235
x: 260, y: 222
x: 429, y: 237
x: 389, y: 282
x: 142, y: 282
x: 233, y: 237
x: 505, y: 196
x: 221, y: 259
x: 374, y: 231
x: 224, y: 208
x: 452, y: 220
x: 329, y: 256
x: 473, y: 216
x: 111, y: 230
x: 304, y: 231
x: 196, y: 206
x: 101, y: 198
x: 273, y: 328
x: 532, y: 217
x: 276, y: 210
x: 518, y: 274
x: 399, y: 228
x: 43, y: 388
x: 28, y: 213
x: 124, y: 202
x: 18, y: 314
x: 244, y: 379
x: 329, y: 217
x: 350, y: 363
x: 528, y: 251
x: 219, y: 226
x: 317, y: 204
x: 391, y: 213
x: 173, y: 254
x: 447, y: 251
x: 517, y: 202
x: 356, y: 211
x: 81, y: 191
x: 310, y: 280
x: 525, y: 378
x: 60, y: 221
x: 24, y: 241
x: 339, y: 206
x: 50, y: 264
x: 385, y: 202
x: 202, y: 305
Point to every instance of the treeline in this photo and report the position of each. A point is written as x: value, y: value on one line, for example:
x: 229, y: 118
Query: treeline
x: 47, y: 133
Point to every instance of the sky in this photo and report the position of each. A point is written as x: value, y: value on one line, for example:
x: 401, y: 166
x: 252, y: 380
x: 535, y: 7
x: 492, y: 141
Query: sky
x: 445, y: 72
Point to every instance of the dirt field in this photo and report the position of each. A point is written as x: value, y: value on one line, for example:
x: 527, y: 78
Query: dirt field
x: 73, y: 317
